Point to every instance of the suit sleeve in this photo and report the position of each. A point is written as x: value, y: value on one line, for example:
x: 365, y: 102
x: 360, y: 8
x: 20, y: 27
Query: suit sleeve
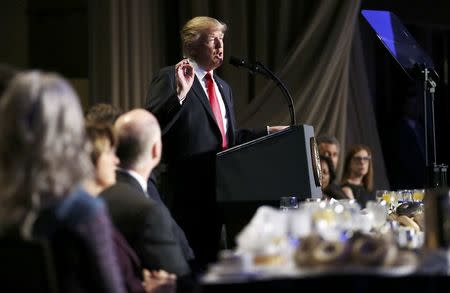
x: 162, y: 99
x: 158, y: 246
x: 244, y: 135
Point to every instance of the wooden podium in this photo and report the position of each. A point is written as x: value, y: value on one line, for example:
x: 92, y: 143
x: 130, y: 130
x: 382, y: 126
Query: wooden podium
x: 261, y: 171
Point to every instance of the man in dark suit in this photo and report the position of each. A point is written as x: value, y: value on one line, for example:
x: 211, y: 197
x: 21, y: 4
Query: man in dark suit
x: 143, y: 222
x: 195, y: 109
x: 107, y: 114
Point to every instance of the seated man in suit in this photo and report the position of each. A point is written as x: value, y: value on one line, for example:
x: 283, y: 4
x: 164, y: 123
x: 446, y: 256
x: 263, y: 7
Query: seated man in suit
x: 103, y: 113
x: 144, y: 223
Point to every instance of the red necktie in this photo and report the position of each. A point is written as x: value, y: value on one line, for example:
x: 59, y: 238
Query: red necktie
x: 214, y: 102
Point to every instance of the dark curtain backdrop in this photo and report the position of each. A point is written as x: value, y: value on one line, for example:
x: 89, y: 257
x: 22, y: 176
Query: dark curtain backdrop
x: 313, y: 46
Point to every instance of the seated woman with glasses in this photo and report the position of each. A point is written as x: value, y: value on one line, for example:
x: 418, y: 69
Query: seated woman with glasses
x: 357, y: 180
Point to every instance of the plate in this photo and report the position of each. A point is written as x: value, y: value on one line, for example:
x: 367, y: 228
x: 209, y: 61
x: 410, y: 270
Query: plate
x: 406, y: 263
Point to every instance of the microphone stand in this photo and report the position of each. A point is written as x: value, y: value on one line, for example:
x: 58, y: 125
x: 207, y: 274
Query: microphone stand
x: 282, y: 87
x: 436, y: 175
x: 429, y: 86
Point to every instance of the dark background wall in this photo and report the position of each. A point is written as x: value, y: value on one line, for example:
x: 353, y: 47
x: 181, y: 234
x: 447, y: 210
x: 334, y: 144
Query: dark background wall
x: 54, y: 35
x: 50, y: 35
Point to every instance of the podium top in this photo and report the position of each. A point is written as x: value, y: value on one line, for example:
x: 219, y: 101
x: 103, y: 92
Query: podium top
x: 256, y: 141
x: 399, y: 42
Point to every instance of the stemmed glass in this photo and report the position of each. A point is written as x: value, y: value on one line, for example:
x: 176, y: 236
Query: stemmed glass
x: 288, y: 203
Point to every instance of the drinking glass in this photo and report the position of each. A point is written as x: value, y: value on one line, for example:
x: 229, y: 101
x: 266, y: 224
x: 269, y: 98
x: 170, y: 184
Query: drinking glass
x: 391, y: 198
x: 418, y: 195
x: 405, y: 195
x: 379, y: 195
x: 379, y: 212
x: 288, y: 203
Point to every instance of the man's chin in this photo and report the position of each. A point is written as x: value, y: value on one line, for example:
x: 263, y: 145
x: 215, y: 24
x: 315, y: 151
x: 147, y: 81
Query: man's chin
x: 219, y: 61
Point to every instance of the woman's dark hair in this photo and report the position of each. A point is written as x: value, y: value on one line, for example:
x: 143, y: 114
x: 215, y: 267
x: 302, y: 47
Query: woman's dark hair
x: 329, y: 163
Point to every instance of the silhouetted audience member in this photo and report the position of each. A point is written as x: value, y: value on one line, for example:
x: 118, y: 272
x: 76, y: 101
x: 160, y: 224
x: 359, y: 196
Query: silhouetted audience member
x: 44, y: 156
x: 357, y: 181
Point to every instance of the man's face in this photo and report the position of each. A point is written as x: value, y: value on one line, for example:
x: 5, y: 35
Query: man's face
x: 330, y: 150
x: 208, y: 52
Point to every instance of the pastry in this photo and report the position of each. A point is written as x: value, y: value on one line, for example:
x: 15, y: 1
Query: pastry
x: 303, y: 254
x: 330, y: 253
x: 369, y: 251
x: 408, y: 222
x: 268, y: 259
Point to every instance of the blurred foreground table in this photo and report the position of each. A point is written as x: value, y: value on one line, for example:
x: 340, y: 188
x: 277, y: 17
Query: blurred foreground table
x: 432, y: 278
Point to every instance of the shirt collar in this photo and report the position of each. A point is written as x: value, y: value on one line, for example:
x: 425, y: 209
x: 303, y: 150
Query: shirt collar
x: 200, y: 72
x: 142, y: 182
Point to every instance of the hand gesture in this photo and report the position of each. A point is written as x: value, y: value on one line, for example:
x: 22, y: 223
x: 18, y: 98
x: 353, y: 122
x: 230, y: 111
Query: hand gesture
x: 159, y: 281
x: 273, y: 129
x: 184, y: 73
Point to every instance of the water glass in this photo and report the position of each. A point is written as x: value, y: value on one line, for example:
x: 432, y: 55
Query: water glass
x: 379, y: 212
x: 405, y: 195
x: 288, y: 203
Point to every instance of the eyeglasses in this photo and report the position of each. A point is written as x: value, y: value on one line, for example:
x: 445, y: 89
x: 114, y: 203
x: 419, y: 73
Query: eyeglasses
x: 359, y: 158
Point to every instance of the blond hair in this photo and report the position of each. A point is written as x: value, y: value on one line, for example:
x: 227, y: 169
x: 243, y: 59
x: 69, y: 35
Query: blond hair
x: 194, y: 28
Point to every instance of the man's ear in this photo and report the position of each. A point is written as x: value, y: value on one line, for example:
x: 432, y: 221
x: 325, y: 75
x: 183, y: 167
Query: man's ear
x: 191, y: 51
x: 156, y: 151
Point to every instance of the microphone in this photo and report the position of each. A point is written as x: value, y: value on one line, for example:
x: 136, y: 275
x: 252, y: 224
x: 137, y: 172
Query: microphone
x: 253, y: 68
x: 258, y: 67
